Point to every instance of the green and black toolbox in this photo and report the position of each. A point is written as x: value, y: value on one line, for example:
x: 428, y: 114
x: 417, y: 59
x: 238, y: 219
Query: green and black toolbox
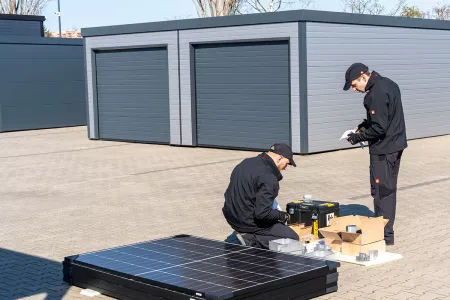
x: 317, y: 214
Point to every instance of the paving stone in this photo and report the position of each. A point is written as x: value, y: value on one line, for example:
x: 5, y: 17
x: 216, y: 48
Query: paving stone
x: 352, y: 295
x: 378, y: 294
x: 370, y: 288
x: 429, y: 296
x: 420, y: 290
x: 405, y: 295
x: 63, y: 194
x: 445, y: 291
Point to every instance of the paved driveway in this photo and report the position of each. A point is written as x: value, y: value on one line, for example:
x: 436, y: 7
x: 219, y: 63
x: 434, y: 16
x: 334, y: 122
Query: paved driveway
x: 62, y: 194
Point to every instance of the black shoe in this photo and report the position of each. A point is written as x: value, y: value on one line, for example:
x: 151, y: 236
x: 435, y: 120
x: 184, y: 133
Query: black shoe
x: 390, y: 243
x: 242, y: 237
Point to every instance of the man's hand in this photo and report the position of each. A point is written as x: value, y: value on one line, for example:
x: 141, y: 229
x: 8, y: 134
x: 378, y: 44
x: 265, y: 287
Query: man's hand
x: 284, y: 217
x: 354, y: 138
x: 362, y: 127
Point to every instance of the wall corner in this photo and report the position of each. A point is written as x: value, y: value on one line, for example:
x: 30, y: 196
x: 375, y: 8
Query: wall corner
x: 303, y: 84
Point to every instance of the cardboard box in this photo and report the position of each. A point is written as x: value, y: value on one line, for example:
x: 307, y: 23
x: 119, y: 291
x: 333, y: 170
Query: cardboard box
x: 369, y: 230
x: 334, y: 244
x: 355, y: 249
x: 309, y: 238
x: 302, y: 230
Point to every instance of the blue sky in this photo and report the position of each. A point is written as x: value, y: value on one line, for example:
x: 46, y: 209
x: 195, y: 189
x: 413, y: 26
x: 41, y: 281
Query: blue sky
x: 91, y: 13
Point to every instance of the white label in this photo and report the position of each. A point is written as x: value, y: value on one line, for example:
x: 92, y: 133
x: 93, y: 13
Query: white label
x: 329, y: 217
x: 89, y: 293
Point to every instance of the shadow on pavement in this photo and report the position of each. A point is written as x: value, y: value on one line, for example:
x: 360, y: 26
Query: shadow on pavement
x: 355, y: 209
x: 23, y: 275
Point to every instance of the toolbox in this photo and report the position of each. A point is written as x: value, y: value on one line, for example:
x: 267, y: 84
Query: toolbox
x: 312, y: 213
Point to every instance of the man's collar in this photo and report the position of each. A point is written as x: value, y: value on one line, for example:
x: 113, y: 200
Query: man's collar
x: 266, y: 158
x: 372, y: 80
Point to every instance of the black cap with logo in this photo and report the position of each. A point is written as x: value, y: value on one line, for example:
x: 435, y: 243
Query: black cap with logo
x: 285, y: 151
x: 353, y: 72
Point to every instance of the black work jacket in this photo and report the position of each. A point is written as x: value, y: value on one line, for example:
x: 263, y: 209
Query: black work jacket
x: 254, y: 184
x: 386, y: 130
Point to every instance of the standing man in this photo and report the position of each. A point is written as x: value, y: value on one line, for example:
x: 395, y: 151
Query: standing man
x: 249, y: 198
x: 385, y: 131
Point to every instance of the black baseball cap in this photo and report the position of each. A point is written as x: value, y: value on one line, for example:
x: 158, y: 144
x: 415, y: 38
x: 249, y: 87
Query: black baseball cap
x: 353, y: 72
x: 285, y: 151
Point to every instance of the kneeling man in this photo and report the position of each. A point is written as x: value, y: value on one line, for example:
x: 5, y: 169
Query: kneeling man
x: 249, y: 198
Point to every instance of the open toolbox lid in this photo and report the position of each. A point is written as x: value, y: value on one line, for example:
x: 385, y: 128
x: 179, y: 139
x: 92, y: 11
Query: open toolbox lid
x: 369, y: 230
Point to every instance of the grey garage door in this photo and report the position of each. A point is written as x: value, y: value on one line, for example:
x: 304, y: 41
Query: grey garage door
x: 133, y: 95
x: 242, y: 94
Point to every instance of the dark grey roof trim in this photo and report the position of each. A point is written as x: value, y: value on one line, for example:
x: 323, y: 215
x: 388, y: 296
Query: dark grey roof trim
x: 40, y: 41
x: 22, y: 17
x: 267, y: 18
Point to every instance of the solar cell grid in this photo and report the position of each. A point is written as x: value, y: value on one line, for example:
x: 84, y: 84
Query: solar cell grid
x: 209, y: 243
x: 200, y: 266
x: 236, y: 272
x: 300, y: 260
x: 250, y: 267
x: 276, y: 264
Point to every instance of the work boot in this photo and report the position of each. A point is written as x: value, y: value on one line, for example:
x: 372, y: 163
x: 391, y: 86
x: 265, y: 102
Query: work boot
x: 390, y: 243
x: 240, y: 238
x: 245, y: 239
x: 232, y: 239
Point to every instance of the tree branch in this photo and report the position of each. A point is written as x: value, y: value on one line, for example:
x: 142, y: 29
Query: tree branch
x: 262, y: 8
x: 22, y: 7
x: 400, y: 5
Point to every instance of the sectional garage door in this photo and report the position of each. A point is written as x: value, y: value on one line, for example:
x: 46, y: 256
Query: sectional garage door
x: 133, y: 95
x: 242, y: 94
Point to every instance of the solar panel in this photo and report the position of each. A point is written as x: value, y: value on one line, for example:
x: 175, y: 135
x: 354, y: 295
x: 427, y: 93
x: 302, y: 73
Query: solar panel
x: 189, y: 267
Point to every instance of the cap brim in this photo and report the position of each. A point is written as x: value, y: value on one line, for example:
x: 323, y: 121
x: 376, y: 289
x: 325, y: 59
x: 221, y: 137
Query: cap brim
x: 292, y: 162
x: 347, y: 86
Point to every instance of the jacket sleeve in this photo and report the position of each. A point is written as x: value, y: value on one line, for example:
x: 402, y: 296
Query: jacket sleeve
x: 267, y: 192
x: 379, y: 113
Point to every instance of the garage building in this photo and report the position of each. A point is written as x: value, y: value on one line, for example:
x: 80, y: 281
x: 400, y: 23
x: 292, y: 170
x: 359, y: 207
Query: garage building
x: 42, y: 81
x: 245, y: 82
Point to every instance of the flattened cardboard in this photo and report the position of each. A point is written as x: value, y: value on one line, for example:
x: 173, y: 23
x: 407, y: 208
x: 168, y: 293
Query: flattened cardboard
x: 383, y: 258
x: 354, y: 249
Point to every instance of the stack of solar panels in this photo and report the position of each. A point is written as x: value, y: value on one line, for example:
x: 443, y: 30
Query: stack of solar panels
x: 188, y: 267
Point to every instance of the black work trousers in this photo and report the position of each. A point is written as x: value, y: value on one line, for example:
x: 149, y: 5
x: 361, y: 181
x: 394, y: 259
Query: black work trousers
x: 262, y: 237
x: 384, y: 171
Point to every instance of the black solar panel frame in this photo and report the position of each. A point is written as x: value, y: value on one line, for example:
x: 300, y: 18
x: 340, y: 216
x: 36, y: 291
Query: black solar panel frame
x: 160, y: 287
x: 123, y: 288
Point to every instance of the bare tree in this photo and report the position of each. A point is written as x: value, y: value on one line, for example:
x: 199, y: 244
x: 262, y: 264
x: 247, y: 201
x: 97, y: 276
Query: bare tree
x: 274, y: 5
x: 213, y: 8
x: 178, y: 18
x: 412, y: 12
x: 371, y: 7
x: 22, y: 7
x: 47, y: 32
x: 441, y: 12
